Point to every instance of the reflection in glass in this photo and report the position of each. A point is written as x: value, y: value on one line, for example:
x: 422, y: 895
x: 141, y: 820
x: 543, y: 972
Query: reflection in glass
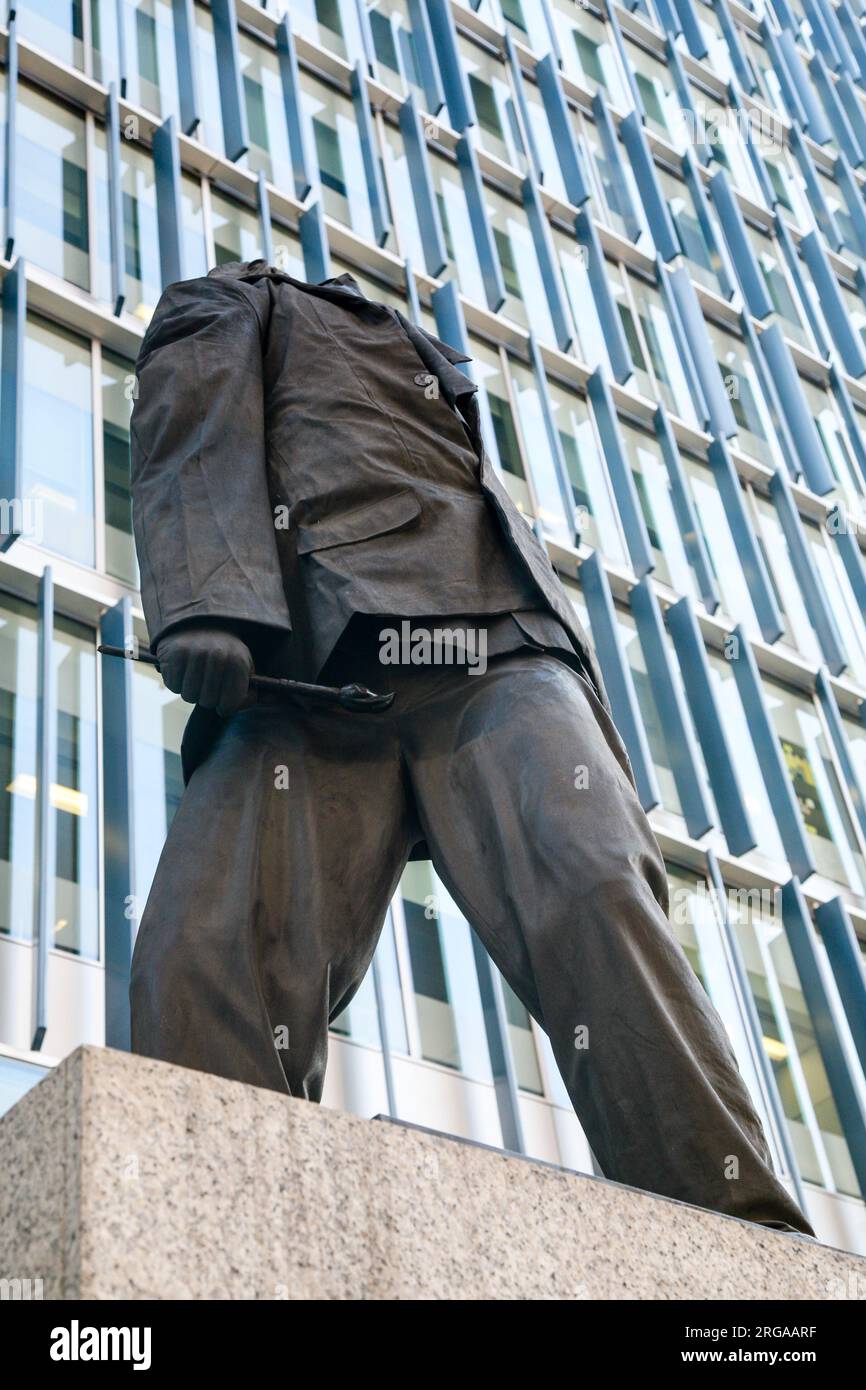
x: 442, y: 963
x: 522, y: 1042
x: 337, y: 143
x: 51, y: 187
x: 237, y: 231
x: 18, y: 668
x: 74, y: 795
x: 118, y: 385
x: 192, y: 228
x: 151, y: 64
x: 662, y: 754
x: 54, y: 26
x: 158, y: 721
x: 558, y: 525
x: 436, y: 1022
x: 143, y: 282
x: 16, y: 1079
x: 694, y: 917
x: 790, y: 1043
x: 58, y: 439
x: 266, y: 113
x: 828, y: 823
x: 210, y: 128
x: 752, y: 785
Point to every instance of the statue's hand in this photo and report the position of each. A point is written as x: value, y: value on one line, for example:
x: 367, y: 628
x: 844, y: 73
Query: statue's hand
x: 207, y: 666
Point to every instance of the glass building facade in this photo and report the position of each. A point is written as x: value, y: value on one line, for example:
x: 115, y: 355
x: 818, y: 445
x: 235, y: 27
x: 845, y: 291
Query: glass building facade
x: 646, y: 222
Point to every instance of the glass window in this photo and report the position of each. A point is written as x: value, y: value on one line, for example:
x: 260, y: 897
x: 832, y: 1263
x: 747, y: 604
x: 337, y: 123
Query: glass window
x: 752, y: 785
x: 140, y: 227
x: 587, y: 52
x: 74, y: 792
x: 3, y: 159
x: 522, y: 1042
x: 556, y: 523
x: 838, y: 207
x: 435, y: 1011
x: 192, y: 228
x: 847, y: 612
x: 386, y: 20
x: 266, y: 113
x: 16, y: 1079
x: 763, y: 70
x: 723, y: 553
x: 664, y: 113
x: 490, y: 85
x: 755, y: 433
x: 525, y: 20
x: 723, y: 130
x: 505, y: 447
x: 817, y: 788
x: 789, y: 1040
x: 703, y: 259
x: 462, y: 258
x: 151, y: 64
x: 837, y: 447
x: 853, y: 304
x: 653, y: 484
x: 786, y: 587
x: 52, y: 220
x: 360, y: 1019
x: 662, y: 754
x: 590, y: 344
x: 718, y: 54
x: 585, y: 472
x: 779, y: 287
x: 855, y: 732
x: 789, y: 186
x: 551, y: 174
x: 210, y: 127
x: 103, y: 38
x: 158, y: 721
x: 614, y: 187
x: 831, y: 577
x: 18, y: 668
x: 658, y: 369
x: 337, y: 144
x: 694, y: 916
x: 56, y: 26
x: 74, y: 796
x: 57, y: 453
x: 237, y: 231
x: 322, y: 22
x: 445, y: 982
x: 525, y: 297
x: 118, y: 387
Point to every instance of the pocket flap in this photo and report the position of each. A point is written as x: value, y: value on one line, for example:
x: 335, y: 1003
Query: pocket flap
x: 373, y: 519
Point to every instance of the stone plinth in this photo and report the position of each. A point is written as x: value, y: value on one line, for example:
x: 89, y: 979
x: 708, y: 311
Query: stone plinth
x: 127, y: 1178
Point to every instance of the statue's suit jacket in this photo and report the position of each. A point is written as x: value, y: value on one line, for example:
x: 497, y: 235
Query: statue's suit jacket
x: 277, y: 484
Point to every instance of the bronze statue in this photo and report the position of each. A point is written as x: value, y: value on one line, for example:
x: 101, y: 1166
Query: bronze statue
x: 308, y: 473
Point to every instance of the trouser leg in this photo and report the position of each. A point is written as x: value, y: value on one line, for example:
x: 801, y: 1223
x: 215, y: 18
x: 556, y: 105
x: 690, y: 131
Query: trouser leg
x: 534, y: 825
x: 269, y: 896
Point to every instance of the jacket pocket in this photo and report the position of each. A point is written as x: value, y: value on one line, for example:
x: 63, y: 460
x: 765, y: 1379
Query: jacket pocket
x: 373, y: 519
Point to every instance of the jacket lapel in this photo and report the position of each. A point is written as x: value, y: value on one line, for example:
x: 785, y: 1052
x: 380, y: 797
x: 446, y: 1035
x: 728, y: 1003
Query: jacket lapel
x: 440, y: 359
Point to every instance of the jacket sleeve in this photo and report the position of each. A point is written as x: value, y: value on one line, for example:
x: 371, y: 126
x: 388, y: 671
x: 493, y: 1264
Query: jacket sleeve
x: 204, y: 529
